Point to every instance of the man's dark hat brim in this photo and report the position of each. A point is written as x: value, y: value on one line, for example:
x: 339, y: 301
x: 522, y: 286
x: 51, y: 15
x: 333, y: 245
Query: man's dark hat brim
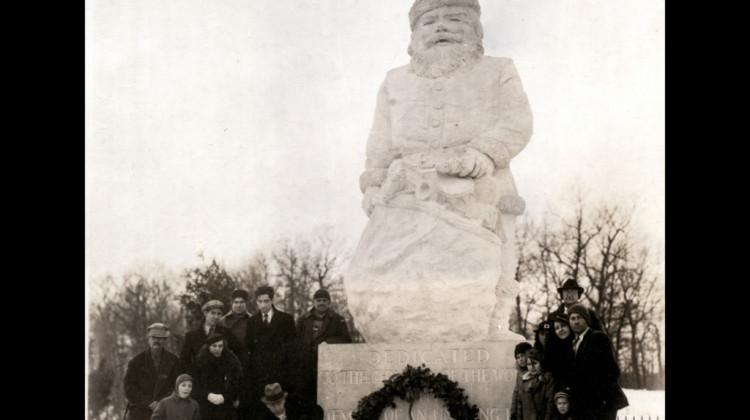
x: 570, y: 284
x: 265, y: 399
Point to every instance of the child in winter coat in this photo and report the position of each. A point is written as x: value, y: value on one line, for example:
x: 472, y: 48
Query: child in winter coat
x: 562, y: 406
x: 534, y: 399
x: 520, y: 354
x: 179, y: 405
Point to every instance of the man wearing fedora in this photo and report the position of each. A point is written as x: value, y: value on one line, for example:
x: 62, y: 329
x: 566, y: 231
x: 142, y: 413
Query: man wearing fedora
x: 150, y: 375
x: 320, y: 324
x: 194, y: 340
x: 569, y: 293
x: 285, y: 406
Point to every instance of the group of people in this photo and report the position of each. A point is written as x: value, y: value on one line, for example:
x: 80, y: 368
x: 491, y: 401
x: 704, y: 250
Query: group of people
x: 236, y: 365
x: 570, y: 372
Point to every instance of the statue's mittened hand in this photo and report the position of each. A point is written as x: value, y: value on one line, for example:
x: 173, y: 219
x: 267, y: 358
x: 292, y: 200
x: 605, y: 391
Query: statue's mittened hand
x: 476, y: 164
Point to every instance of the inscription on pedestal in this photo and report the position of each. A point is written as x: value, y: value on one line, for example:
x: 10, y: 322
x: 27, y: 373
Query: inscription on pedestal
x: 485, y: 370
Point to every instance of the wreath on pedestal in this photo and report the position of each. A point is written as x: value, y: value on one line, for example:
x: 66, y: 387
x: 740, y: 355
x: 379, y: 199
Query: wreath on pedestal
x: 408, y: 386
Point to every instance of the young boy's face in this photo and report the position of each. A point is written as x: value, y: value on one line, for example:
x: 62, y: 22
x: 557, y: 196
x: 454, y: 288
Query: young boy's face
x: 521, y: 361
x: 184, y: 389
x: 534, y: 366
x: 562, y: 405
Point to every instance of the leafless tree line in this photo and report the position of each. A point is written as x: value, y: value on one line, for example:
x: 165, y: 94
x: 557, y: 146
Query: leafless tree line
x: 621, y: 274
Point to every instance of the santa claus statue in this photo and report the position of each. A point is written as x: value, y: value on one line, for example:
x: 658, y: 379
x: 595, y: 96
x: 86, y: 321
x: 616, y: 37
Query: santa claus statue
x: 437, y: 260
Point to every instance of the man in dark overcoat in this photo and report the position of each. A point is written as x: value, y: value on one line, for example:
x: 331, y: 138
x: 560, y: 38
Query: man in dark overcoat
x: 594, y: 372
x: 321, y: 324
x: 570, y: 292
x: 150, y: 375
x: 194, y: 340
x: 271, y: 346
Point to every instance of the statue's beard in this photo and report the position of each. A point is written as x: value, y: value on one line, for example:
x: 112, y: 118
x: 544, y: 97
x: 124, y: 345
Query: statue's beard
x: 436, y: 60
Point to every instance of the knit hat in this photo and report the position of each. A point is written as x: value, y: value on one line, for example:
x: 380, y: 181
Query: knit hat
x: 322, y: 293
x: 239, y: 294
x: 212, y: 304
x: 535, y: 354
x: 182, y: 378
x: 421, y: 7
x: 580, y: 310
x: 158, y: 330
x: 214, y: 338
x: 521, y: 348
x: 565, y: 393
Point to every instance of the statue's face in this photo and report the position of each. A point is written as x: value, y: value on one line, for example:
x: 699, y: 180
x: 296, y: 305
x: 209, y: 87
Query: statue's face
x: 443, y: 27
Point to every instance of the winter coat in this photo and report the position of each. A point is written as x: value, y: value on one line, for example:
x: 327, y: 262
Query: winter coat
x: 593, y: 377
x: 333, y: 330
x: 176, y: 408
x: 534, y: 398
x: 271, y: 349
x: 144, y: 385
x: 217, y: 375
x: 238, y: 324
x: 515, y: 400
x: 195, y: 339
x: 558, y: 359
x: 297, y: 408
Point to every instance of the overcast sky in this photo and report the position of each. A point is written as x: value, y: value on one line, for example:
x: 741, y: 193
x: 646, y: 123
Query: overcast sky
x: 221, y: 126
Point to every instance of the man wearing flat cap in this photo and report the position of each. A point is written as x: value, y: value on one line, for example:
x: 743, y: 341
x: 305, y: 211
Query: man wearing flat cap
x: 282, y: 405
x: 194, y: 340
x: 570, y: 292
x: 594, y: 372
x: 320, y: 325
x: 150, y: 375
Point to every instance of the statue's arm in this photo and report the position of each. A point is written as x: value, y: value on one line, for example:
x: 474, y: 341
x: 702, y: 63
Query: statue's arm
x: 380, y: 151
x: 512, y: 132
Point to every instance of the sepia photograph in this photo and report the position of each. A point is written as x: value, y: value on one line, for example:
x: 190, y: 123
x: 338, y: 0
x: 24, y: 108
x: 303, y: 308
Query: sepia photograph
x: 361, y: 210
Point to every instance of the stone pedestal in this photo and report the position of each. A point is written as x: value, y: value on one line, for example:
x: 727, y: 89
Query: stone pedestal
x: 484, y: 369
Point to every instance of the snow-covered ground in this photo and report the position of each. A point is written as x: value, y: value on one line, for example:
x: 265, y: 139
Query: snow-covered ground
x: 643, y: 403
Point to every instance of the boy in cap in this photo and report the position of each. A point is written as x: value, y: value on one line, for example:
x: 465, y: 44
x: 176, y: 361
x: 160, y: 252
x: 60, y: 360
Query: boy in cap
x: 150, y: 374
x: 534, y: 398
x: 320, y: 324
x: 520, y: 355
x: 194, y: 340
x: 179, y: 405
x: 562, y: 409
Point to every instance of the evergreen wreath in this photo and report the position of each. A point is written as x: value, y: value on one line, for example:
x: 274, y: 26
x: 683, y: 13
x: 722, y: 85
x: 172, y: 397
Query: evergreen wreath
x: 408, y: 385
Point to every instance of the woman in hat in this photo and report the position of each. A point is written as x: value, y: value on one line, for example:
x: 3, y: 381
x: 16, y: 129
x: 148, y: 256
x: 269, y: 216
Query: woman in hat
x: 559, y: 358
x: 542, y: 334
x: 218, y: 379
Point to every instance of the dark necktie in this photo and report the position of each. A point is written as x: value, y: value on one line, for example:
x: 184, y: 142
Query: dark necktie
x: 265, y: 319
x: 575, y: 343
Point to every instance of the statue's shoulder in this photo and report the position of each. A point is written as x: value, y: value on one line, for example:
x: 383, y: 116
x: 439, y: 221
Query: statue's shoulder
x: 497, y: 62
x: 397, y: 72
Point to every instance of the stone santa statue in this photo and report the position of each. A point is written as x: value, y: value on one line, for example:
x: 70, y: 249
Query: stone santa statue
x: 437, y: 260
